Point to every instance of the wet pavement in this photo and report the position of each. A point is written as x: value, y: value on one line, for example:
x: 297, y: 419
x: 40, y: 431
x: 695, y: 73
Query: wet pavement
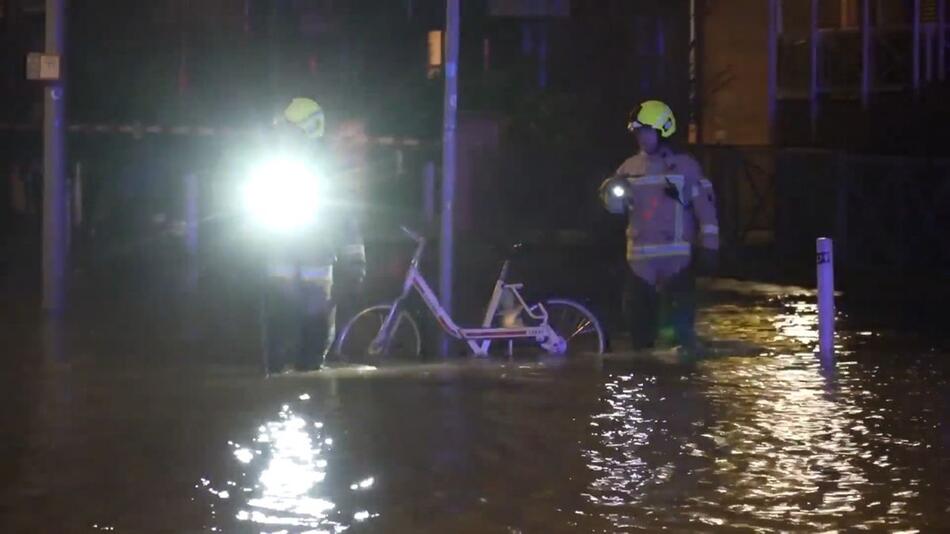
x: 118, y: 425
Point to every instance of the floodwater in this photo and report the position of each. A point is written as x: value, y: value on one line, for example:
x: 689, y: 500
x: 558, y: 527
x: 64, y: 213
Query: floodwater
x: 126, y: 430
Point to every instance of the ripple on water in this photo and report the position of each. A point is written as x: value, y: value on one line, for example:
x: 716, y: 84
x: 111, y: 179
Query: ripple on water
x: 773, y: 441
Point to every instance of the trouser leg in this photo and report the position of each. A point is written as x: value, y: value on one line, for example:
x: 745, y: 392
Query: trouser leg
x: 640, y: 311
x: 277, y: 322
x: 680, y: 294
x: 316, y: 329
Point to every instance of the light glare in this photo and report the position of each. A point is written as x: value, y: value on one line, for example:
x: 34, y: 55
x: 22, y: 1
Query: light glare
x: 282, y: 195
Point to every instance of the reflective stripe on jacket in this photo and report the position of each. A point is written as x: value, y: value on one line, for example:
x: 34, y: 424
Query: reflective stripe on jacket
x: 670, y: 206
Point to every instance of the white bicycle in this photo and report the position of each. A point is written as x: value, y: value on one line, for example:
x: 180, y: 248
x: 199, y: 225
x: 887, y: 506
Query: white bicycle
x: 557, y: 326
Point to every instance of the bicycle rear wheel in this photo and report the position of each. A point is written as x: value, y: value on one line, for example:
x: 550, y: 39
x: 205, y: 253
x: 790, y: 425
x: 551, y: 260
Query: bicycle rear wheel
x: 354, y: 341
x: 577, y: 325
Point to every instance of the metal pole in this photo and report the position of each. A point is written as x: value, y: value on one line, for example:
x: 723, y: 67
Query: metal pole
x: 68, y: 228
x: 930, y: 52
x: 865, y: 53
x: 543, y: 58
x: 774, y: 7
x: 916, y: 45
x: 452, y: 24
x: 941, y: 40
x: 54, y: 168
x: 813, y: 63
x: 695, y: 73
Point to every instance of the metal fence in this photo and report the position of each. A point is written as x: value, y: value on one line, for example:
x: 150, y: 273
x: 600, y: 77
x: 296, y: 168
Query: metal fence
x: 885, y: 213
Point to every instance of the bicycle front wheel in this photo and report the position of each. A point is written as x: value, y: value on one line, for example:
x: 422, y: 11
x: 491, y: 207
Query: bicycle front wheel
x: 577, y: 326
x: 353, y: 344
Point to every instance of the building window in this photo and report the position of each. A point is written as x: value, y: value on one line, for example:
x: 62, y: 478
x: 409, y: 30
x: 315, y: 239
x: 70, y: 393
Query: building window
x: 850, y: 13
x: 928, y: 11
x: 435, y: 53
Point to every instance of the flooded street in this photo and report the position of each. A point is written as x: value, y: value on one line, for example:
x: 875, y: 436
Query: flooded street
x: 127, y: 431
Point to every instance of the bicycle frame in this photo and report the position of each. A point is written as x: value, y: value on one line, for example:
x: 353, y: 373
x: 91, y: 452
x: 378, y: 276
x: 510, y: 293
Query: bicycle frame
x: 478, y: 339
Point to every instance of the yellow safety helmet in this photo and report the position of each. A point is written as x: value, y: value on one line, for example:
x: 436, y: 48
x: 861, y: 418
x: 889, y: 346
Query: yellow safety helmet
x: 653, y: 114
x: 307, y: 115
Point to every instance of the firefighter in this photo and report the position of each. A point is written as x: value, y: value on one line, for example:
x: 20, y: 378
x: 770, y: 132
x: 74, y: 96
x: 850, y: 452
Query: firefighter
x: 672, y: 229
x: 305, y: 260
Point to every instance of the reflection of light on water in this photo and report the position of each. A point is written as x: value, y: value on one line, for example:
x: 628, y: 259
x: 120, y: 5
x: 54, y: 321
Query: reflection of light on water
x: 293, y: 470
x: 786, y: 442
x: 363, y: 516
x: 789, y: 435
x: 618, y: 469
x: 793, y: 445
x: 793, y: 453
x: 800, y: 325
x: 244, y: 455
x: 289, y: 455
x: 363, y: 484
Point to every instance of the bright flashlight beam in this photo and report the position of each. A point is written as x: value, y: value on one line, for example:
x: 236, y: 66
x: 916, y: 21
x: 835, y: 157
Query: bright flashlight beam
x: 282, y: 195
x: 619, y: 191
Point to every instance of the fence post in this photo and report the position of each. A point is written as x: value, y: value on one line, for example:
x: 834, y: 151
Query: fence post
x: 826, y: 296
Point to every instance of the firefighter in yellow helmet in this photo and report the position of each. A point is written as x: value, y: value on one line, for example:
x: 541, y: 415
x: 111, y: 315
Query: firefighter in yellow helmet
x: 672, y: 229
x: 309, y: 268
x: 307, y: 115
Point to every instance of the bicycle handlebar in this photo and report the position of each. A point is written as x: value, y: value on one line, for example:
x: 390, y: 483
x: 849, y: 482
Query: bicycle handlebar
x: 412, y: 235
x: 420, y: 245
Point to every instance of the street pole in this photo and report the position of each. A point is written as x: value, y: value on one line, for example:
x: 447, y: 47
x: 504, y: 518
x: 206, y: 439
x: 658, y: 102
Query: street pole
x: 813, y: 70
x: 54, y: 167
x: 916, y: 47
x: 450, y: 121
x: 775, y: 7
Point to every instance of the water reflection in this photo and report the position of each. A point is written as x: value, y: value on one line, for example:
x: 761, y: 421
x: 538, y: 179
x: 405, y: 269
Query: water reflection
x: 291, y: 456
x: 620, y: 471
x: 767, y: 442
x: 790, y: 441
x: 799, y: 324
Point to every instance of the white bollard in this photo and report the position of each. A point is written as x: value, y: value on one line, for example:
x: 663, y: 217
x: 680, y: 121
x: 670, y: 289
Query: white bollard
x: 826, y: 296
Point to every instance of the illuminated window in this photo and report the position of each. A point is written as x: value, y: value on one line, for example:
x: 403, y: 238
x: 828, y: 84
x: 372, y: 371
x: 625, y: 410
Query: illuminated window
x: 850, y: 11
x: 435, y: 53
x: 928, y: 11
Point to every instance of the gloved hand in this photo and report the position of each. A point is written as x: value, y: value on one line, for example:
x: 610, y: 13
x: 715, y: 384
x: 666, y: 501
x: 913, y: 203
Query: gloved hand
x: 616, y: 204
x: 706, y: 260
x: 672, y: 191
